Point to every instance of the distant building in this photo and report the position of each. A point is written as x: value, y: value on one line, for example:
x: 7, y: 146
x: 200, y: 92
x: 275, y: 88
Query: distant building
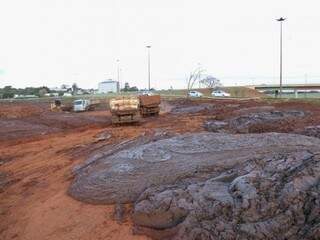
x: 108, y: 86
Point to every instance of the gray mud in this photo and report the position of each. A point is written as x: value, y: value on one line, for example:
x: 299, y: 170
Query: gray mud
x: 312, y: 131
x: 193, y: 109
x: 212, y: 185
x: 259, y: 120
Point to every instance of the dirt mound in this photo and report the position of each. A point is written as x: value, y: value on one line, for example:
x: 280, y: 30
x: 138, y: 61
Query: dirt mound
x: 263, y: 121
x: 273, y: 197
x: 312, y: 131
x: 250, y: 110
x: 193, y: 109
x: 256, y: 122
x: 243, y: 92
x: 210, y: 185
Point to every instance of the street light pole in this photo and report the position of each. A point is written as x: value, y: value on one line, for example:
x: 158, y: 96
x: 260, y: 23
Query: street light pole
x: 118, y: 72
x: 149, y: 75
x: 281, y: 21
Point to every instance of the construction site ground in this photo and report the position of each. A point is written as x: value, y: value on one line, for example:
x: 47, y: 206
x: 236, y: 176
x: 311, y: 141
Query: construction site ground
x: 39, y: 149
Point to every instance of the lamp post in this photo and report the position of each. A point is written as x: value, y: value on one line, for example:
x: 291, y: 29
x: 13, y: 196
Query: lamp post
x: 118, y: 73
x: 149, y: 76
x: 281, y: 20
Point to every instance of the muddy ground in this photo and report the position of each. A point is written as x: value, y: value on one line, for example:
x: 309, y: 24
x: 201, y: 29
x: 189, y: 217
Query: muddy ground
x: 39, y: 150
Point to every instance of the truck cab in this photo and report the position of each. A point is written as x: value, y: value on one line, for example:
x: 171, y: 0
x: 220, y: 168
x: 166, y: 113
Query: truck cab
x: 80, y: 105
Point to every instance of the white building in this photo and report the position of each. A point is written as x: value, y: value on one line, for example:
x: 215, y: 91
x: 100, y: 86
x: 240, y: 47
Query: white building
x: 108, y: 86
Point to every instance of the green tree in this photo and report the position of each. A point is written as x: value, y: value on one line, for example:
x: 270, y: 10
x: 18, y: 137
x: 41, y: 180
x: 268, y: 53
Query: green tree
x: 42, y: 91
x: 127, y: 88
x: 74, y: 88
x: 8, y: 92
x: 133, y: 89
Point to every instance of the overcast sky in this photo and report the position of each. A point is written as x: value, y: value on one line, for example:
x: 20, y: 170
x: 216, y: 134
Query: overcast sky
x: 51, y: 42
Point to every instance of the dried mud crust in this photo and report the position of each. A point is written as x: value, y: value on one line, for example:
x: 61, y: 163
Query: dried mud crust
x: 212, y: 185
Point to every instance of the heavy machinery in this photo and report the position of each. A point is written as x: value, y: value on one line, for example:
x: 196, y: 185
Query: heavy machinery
x: 82, y: 105
x: 130, y: 109
x: 125, y: 109
x: 79, y: 105
x: 149, y: 105
x: 57, y: 106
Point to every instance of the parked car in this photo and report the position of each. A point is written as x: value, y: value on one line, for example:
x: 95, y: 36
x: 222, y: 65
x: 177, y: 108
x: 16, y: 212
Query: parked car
x: 195, y: 94
x: 220, y: 93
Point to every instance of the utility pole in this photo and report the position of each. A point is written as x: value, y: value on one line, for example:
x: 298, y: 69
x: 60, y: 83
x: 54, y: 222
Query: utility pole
x: 281, y: 21
x: 118, y: 73
x: 149, y: 75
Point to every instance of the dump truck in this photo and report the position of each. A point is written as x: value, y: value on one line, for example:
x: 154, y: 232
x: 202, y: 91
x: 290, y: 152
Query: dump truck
x: 82, y: 105
x: 130, y: 109
x: 149, y: 105
x: 125, y: 109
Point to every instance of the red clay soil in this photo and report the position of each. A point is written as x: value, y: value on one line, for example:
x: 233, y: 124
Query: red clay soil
x: 36, y: 172
x: 36, y: 167
x: 13, y: 110
x: 34, y: 204
x: 21, y: 121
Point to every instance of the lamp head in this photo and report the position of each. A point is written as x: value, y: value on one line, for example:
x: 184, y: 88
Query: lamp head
x: 281, y: 19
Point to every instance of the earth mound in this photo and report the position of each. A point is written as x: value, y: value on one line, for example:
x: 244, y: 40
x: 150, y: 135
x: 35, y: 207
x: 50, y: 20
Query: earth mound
x: 312, y: 131
x: 193, y: 109
x: 256, y: 122
x: 212, y: 185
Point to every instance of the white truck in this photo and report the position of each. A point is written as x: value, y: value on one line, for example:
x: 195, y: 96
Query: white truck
x: 82, y: 105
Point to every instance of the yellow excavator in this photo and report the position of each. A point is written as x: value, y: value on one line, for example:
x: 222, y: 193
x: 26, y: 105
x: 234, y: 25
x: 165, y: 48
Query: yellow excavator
x: 57, y: 106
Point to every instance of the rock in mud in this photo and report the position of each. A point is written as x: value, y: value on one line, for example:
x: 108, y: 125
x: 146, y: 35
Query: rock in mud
x: 215, y: 126
x: 119, y: 212
x: 102, y: 137
x: 213, y: 186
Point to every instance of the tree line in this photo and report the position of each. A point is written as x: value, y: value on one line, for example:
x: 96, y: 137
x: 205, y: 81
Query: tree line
x: 10, y: 92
